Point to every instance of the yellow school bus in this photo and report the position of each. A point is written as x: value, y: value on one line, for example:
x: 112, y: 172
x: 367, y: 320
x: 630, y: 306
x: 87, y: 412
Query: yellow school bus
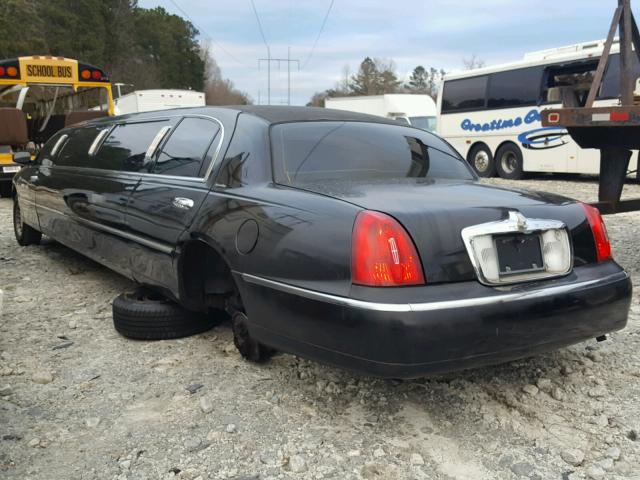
x: 40, y: 95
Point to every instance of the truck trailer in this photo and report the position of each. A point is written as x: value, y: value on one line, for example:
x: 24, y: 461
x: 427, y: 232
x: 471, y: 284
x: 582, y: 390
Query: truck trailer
x: 416, y: 110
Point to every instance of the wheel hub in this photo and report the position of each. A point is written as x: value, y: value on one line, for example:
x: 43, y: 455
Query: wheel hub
x: 509, y: 162
x: 481, y: 161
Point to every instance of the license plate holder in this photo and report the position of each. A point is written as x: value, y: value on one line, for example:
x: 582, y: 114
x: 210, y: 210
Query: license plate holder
x: 519, y: 253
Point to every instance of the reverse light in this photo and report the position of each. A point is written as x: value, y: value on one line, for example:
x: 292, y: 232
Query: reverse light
x: 599, y: 230
x: 383, y: 254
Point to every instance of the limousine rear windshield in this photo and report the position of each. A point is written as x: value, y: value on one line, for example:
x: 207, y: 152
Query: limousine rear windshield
x: 327, y: 151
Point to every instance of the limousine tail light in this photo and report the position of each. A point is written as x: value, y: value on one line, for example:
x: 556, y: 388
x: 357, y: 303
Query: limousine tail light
x: 599, y: 230
x: 383, y: 254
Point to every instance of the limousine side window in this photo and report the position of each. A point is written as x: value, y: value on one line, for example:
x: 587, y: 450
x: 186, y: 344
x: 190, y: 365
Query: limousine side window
x: 125, y: 149
x: 187, y: 149
x: 75, y: 152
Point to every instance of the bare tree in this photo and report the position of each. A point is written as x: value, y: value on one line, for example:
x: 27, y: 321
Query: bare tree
x: 219, y: 90
x: 473, y: 62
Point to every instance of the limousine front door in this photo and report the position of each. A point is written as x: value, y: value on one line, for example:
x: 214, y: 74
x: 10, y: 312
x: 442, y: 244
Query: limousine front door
x: 165, y: 202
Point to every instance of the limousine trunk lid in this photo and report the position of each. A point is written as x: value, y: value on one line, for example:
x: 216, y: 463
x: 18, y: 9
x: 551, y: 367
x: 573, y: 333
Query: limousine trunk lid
x: 435, y: 212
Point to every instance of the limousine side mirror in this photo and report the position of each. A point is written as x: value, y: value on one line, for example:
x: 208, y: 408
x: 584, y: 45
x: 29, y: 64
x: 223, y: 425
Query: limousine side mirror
x: 23, y: 158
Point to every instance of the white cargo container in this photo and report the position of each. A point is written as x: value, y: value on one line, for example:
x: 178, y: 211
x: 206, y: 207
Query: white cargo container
x: 416, y: 110
x: 148, y: 100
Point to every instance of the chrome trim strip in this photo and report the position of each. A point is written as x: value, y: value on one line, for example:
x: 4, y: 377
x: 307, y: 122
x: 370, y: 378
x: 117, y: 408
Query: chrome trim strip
x: 98, y: 141
x: 153, y: 146
x: 129, y: 236
x: 115, y: 231
x: 58, y: 144
x: 430, y: 306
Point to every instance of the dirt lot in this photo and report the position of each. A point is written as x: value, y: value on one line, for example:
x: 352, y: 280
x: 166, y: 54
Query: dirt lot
x: 78, y: 401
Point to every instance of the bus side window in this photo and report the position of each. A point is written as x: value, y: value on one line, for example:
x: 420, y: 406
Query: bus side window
x: 465, y: 94
x: 514, y: 88
x: 611, y: 82
x: 570, y: 84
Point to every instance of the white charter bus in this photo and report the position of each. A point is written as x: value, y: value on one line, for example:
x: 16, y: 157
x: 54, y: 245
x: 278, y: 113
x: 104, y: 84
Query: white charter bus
x: 492, y: 115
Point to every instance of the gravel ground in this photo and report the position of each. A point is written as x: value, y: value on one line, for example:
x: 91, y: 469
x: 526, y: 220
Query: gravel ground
x: 78, y: 401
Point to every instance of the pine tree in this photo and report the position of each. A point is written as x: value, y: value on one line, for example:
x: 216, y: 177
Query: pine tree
x: 419, y: 80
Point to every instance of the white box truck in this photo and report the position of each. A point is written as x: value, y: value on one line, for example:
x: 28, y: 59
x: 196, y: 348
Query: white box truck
x: 148, y: 100
x: 416, y: 110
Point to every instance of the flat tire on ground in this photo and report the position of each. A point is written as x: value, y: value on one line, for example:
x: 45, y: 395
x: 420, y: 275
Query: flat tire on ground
x: 144, y: 315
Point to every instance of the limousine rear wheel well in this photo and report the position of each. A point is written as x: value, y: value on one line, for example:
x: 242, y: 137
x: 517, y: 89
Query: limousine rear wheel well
x: 205, y: 277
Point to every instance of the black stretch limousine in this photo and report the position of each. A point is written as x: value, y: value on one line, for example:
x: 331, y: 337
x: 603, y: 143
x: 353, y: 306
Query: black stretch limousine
x: 341, y: 237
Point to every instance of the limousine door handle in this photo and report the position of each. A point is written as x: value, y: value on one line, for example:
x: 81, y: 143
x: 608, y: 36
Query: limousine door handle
x: 182, y: 203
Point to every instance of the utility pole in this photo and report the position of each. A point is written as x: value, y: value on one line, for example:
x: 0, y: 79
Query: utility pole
x: 288, y: 61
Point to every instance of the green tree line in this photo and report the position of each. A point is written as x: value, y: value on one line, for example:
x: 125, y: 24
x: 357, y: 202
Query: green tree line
x: 149, y: 48
x: 376, y: 77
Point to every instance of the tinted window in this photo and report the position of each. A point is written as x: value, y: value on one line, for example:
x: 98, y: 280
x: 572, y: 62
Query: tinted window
x: 515, y: 87
x: 247, y: 158
x: 187, y: 147
x: 75, y: 152
x: 126, y: 146
x: 327, y: 151
x: 464, y: 94
x: 611, y: 83
x: 44, y: 156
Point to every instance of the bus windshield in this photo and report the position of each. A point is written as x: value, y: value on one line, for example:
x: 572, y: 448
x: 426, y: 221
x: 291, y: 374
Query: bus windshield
x: 425, y: 123
x: 53, y: 92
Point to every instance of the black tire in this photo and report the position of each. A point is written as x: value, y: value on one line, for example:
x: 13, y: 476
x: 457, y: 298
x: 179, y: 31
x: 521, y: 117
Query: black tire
x: 249, y: 347
x: 5, y: 189
x: 481, y: 160
x: 25, y: 235
x: 143, y: 315
x: 509, y: 162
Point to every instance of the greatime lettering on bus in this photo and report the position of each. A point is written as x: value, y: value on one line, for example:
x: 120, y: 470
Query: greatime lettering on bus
x: 500, y: 124
x: 49, y: 71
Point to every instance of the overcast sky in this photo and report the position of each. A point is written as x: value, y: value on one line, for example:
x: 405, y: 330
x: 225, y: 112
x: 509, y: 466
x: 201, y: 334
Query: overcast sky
x: 432, y: 33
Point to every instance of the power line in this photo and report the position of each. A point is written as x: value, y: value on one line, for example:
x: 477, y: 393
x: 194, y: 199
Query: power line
x: 266, y: 44
x: 219, y: 45
x: 255, y: 11
x: 324, y: 21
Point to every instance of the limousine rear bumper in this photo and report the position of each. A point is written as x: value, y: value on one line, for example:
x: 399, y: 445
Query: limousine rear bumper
x: 453, y: 327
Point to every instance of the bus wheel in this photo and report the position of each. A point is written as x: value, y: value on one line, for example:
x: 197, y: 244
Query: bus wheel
x: 481, y: 161
x: 509, y: 162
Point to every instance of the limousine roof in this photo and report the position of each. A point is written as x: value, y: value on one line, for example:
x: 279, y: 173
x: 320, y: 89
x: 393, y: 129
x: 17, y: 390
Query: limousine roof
x: 268, y: 113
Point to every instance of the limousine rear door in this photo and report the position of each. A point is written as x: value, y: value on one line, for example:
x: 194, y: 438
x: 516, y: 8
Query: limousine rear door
x: 164, y: 203
x: 82, y: 197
